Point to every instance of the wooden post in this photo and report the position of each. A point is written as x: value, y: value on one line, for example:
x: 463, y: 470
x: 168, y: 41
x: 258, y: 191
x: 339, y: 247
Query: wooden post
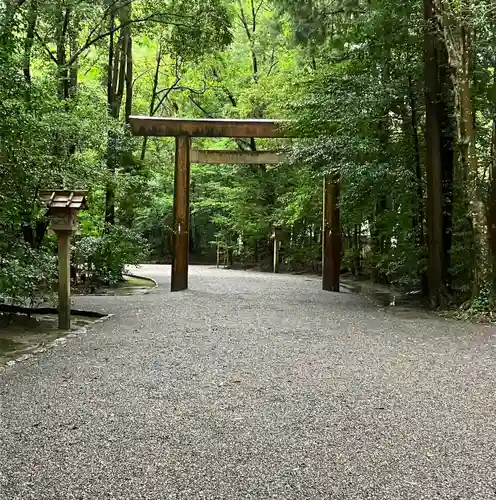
x: 63, y: 206
x: 180, y: 260
x: 331, y: 240
x: 218, y: 254
x: 276, y: 254
x: 64, y: 243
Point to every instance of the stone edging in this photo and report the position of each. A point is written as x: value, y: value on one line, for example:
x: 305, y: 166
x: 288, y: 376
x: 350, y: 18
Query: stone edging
x: 59, y: 340
x: 144, y: 278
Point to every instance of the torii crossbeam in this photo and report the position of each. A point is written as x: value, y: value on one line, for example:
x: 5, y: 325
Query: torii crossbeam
x: 183, y: 130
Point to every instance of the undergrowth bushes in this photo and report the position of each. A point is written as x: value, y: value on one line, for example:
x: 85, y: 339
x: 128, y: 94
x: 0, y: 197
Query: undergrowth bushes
x: 102, y: 259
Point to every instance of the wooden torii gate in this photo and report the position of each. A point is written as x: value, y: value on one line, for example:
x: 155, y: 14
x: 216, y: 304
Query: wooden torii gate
x: 183, y: 130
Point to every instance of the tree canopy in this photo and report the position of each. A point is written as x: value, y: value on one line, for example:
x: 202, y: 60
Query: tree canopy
x: 397, y: 96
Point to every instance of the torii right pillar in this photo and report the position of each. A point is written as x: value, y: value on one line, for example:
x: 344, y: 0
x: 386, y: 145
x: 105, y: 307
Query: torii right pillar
x: 331, y: 238
x: 180, y: 260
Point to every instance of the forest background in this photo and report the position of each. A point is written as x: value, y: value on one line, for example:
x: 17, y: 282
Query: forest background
x: 398, y: 96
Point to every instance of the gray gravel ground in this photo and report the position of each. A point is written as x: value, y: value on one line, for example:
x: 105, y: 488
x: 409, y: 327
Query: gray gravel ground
x: 253, y: 386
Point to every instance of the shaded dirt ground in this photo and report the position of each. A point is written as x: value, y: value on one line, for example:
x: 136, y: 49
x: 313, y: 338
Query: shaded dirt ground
x: 252, y: 385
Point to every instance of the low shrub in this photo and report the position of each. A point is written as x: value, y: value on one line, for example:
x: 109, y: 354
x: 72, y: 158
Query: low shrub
x: 27, y: 276
x: 102, y: 259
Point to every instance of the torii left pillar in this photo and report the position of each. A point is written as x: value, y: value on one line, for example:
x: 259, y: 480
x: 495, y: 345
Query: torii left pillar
x: 180, y: 258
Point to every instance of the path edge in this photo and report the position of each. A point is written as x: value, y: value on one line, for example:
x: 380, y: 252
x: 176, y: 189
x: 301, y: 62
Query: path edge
x: 9, y: 366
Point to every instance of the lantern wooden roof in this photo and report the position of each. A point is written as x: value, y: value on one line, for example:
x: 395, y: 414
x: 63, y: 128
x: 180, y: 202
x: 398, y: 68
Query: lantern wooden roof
x: 64, y: 199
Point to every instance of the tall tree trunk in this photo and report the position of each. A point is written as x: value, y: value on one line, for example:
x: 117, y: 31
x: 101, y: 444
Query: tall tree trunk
x: 29, y: 40
x: 110, y: 61
x: 491, y: 219
x: 153, y: 97
x: 119, y: 78
x: 491, y: 208
x: 470, y: 161
x: 73, y: 70
x: 61, y: 43
x: 446, y: 110
x: 418, y: 219
x: 250, y: 27
x: 110, y: 190
x: 433, y: 158
x: 129, y: 79
x: 381, y: 237
x: 459, y: 32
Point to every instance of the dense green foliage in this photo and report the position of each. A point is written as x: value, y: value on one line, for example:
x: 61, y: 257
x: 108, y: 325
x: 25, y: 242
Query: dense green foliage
x: 102, y: 258
x: 354, y: 75
x: 402, y: 98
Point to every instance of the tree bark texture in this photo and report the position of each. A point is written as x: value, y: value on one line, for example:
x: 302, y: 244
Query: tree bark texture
x: 433, y: 158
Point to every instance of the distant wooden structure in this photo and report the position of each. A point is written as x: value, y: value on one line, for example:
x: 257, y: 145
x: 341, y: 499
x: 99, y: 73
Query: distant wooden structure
x: 277, y: 236
x: 183, y: 130
x: 222, y: 255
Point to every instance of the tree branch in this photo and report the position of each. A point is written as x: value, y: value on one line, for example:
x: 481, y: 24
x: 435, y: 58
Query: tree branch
x: 88, y: 44
x: 201, y: 108
x: 167, y: 93
x: 107, y: 11
x: 273, y: 64
x: 140, y: 76
x: 243, y: 19
x: 228, y: 93
x: 259, y: 7
x: 66, y: 22
x: 45, y: 46
x: 253, y: 17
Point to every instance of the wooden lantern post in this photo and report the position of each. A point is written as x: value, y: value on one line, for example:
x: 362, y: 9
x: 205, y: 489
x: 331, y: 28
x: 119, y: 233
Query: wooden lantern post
x: 63, y: 207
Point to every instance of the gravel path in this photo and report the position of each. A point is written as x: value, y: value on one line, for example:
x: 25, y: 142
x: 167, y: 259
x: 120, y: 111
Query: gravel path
x: 253, y: 386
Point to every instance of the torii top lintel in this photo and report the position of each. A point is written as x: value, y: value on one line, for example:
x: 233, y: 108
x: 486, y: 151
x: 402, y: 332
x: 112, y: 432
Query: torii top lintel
x: 175, y: 127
